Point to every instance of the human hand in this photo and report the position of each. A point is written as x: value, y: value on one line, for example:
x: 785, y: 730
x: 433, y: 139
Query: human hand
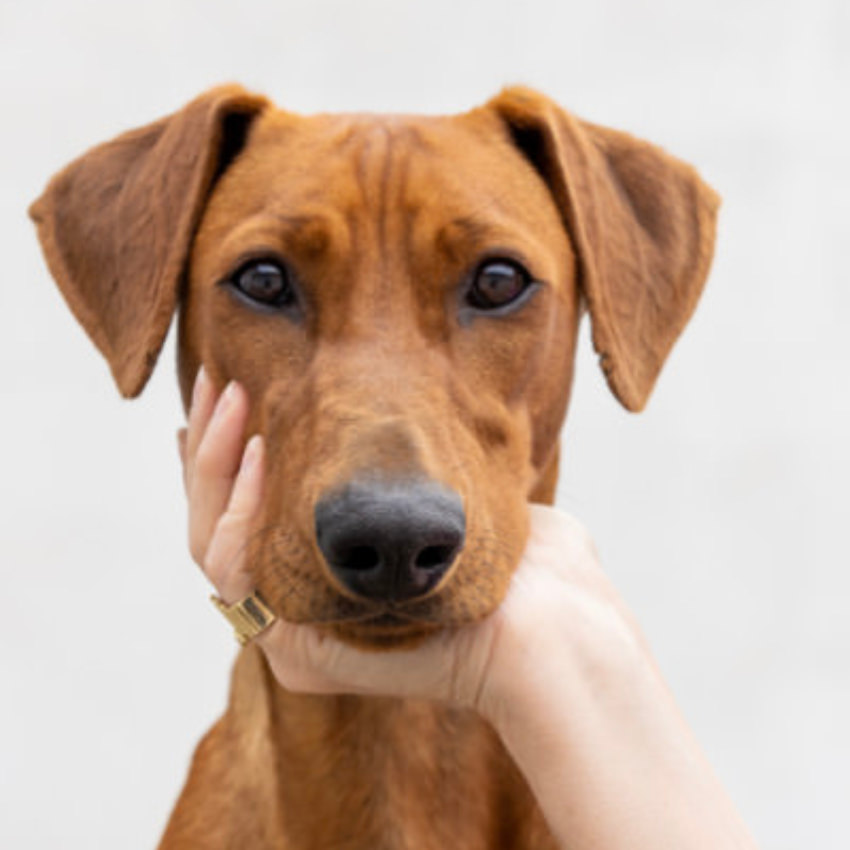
x: 474, y: 666
x: 560, y: 669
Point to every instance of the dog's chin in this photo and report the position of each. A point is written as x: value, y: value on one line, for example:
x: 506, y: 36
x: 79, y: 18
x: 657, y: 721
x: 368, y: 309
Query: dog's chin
x: 383, y: 633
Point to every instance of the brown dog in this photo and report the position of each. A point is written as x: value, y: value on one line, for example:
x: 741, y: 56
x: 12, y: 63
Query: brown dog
x: 400, y: 297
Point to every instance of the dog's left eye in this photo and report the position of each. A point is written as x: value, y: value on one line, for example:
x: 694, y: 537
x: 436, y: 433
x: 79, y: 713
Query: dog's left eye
x: 264, y: 281
x: 497, y: 283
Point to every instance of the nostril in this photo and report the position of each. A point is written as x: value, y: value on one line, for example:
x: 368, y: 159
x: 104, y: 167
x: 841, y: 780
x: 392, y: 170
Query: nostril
x: 390, y: 541
x: 434, y: 557
x: 360, y: 558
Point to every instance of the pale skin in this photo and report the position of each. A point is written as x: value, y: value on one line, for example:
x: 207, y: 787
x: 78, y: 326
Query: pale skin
x: 560, y: 670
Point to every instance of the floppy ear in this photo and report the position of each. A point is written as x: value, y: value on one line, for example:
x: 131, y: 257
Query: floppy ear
x: 643, y: 224
x: 116, y: 224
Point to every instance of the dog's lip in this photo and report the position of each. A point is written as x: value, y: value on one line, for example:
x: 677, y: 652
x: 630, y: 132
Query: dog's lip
x: 347, y: 610
x: 384, y: 630
x: 387, y: 618
x: 384, y: 617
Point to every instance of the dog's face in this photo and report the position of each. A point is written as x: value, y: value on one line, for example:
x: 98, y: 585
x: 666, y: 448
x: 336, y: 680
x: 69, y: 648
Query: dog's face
x: 400, y: 298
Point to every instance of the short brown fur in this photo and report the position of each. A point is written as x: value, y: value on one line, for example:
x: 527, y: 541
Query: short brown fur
x: 383, y: 371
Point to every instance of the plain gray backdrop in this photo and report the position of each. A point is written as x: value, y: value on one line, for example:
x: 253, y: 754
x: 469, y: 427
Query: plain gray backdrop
x: 721, y: 512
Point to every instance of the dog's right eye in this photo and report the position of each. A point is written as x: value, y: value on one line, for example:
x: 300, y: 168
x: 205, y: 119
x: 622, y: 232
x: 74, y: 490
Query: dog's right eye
x: 265, y: 282
x: 498, y: 283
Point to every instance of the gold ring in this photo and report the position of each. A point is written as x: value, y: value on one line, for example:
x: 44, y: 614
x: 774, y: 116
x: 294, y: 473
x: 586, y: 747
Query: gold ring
x: 249, y: 617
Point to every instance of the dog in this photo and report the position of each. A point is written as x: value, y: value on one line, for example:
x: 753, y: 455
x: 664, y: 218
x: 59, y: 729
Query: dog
x: 400, y: 296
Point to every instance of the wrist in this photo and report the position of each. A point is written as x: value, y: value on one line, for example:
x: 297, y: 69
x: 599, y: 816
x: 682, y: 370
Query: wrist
x: 558, y: 642
x: 590, y: 723
x: 547, y: 687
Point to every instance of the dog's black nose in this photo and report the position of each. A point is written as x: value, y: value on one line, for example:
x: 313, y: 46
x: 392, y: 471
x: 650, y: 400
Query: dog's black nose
x: 390, y: 541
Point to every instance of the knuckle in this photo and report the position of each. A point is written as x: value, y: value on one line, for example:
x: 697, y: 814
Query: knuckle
x: 197, y: 547
x: 297, y: 681
x: 205, y: 460
x: 292, y: 674
x: 233, y: 523
x: 216, y: 573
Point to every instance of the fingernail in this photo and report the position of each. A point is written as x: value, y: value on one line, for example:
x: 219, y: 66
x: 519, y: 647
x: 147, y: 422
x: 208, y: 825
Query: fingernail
x: 252, y: 453
x: 226, y: 400
x: 200, y: 380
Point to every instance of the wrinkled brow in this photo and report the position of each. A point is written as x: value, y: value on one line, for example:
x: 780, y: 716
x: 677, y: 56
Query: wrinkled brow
x: 310, y: 233
x: 455, y: 237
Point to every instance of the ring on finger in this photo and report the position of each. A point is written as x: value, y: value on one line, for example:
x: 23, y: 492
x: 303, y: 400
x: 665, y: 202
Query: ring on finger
x: 249, y: 616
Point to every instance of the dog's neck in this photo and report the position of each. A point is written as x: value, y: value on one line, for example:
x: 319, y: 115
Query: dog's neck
x: 385, y: 767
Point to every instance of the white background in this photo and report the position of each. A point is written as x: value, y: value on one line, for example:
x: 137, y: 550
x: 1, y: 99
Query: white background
x: 721, y: 512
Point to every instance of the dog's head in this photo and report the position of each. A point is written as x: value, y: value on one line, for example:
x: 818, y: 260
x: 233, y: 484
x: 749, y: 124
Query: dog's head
x: 400, y: 297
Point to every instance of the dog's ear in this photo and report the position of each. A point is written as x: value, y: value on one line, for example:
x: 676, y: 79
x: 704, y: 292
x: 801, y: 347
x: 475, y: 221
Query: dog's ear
x: 116, y: 224
x: 643, y: 224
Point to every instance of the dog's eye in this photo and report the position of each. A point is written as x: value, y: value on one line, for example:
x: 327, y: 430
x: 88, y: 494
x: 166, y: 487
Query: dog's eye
x: 264, y: 281
x: 497, y: 283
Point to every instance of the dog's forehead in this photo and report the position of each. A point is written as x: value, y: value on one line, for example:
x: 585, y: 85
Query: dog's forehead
x: 334, y: 142
x: 458, y: 163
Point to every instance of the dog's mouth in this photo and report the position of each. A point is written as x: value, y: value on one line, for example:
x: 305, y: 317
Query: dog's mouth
x: 384, y: 630
x: 391, y: 622
x: 379, y: 627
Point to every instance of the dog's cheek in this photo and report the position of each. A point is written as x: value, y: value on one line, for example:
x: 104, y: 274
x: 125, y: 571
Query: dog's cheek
x: 497, y: 529
x: 550, y: 381
x: 281, y: 550
x: 494, y: 549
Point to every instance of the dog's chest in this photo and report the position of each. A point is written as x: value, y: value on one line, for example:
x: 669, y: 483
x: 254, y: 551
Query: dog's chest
x: 393, y: 775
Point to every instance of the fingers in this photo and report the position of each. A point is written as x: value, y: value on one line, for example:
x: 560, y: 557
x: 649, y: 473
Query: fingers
x: 225, y: 563
x: 305, y: 660
x: 200, y: 412
x: 211, y: 451
x: 223, y: 483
